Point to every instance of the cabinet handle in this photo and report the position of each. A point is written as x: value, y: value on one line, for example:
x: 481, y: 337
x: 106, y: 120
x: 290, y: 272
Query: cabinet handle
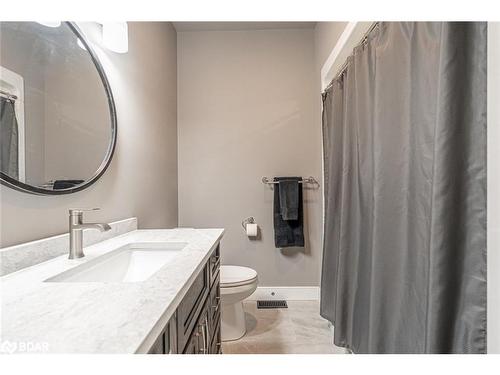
x: 216, y: 308
x: 203, y: 349
x: 204, y: 336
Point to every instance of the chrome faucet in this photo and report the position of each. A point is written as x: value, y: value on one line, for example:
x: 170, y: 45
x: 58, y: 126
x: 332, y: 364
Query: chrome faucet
x: 76, y: 227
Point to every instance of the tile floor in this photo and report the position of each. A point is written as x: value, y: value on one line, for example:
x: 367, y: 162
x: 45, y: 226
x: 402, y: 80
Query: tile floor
x: 296, y: 330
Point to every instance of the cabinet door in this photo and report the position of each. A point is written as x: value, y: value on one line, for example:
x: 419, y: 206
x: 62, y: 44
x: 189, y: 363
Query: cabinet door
x: 197, y: 343
x: 193, y: 344
x: 159, y: 345
x: 190, y: 308
x: 205, y: 331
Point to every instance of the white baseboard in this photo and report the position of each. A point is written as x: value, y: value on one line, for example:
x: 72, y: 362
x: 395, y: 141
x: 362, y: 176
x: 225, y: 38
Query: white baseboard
x: 289, y: 293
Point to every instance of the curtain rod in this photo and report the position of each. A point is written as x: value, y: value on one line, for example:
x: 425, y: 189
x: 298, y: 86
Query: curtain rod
x: 7, y: 95
x: 344, y: 65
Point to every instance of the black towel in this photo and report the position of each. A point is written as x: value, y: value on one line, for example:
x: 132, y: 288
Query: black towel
x: 288, y: 233
x: 66, y: 184
x: 289, y: 199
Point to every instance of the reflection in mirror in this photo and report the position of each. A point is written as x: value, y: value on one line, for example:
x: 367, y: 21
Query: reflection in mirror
x: 57, y: 124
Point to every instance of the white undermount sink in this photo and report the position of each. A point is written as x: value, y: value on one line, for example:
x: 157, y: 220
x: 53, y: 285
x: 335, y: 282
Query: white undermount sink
x: 130, y: 263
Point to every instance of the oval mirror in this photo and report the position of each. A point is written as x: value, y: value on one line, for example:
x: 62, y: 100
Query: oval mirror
x: 57, y: 115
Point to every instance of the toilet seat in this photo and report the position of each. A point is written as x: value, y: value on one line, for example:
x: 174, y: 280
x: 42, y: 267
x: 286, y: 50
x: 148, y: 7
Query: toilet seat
x: 233, y: 276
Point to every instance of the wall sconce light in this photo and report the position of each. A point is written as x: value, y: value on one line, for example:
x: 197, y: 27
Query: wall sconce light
x: 115, y: 36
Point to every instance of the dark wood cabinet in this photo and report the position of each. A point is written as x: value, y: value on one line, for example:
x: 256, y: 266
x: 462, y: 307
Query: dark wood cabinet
x: 158, y: 346
x: 191, y: 306
x: 166, y: 343
x: 195, y: 326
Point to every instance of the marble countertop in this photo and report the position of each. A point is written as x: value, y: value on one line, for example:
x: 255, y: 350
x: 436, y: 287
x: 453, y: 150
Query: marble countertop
x: 94, y: 317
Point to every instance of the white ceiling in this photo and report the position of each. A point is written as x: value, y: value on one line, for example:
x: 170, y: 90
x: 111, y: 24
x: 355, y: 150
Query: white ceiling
x: 235, y: 26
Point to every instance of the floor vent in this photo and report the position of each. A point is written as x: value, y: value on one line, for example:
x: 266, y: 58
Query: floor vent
x: 278, y: 304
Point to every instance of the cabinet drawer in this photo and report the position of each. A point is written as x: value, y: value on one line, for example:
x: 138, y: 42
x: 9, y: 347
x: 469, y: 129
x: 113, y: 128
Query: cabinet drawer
x: 214, y: 264
x: 190, y: 308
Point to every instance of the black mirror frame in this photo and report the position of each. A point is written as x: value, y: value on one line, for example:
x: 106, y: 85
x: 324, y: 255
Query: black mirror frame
x: 21, y: 186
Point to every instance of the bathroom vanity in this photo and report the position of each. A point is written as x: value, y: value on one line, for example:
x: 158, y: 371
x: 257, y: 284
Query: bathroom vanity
x: 195, y: 326
x: 121, y: 291
x: 145, y: 291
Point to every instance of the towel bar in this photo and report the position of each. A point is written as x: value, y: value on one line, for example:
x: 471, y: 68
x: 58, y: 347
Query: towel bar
x: 308, y: 180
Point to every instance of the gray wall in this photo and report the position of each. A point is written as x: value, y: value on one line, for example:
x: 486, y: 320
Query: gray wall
x: 249, y: 107
x: 142, y: 178
x: 326, y: 35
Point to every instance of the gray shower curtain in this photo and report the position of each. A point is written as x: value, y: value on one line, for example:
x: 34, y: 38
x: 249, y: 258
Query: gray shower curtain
x: 8, y: 139
x: 404, y: 127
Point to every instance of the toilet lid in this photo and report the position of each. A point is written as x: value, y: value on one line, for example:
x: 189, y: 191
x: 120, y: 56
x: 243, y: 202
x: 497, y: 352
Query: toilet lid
x: 236, y: 275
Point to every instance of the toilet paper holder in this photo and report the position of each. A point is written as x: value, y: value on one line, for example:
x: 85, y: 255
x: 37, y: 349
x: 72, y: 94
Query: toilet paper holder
x: 248, y: 220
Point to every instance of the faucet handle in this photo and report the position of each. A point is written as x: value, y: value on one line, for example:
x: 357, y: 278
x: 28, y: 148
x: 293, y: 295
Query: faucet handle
x: 80, y: 211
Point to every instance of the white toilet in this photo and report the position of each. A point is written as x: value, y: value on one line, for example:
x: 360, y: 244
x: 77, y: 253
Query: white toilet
x: 236, y: 284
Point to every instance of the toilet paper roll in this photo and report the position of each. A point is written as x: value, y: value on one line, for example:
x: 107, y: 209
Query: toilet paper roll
x: 251, y: 230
